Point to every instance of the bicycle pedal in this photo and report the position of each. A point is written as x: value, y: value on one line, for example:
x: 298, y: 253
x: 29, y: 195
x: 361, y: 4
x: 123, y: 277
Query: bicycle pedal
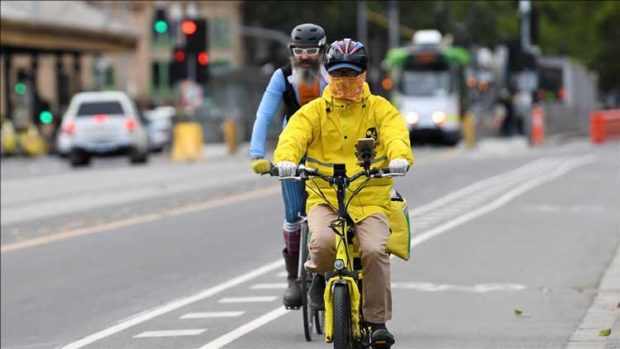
x: 381, y: 344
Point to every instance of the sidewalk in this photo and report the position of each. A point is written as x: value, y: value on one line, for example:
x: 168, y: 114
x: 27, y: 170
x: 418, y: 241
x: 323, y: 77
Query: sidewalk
x: 604, y: 313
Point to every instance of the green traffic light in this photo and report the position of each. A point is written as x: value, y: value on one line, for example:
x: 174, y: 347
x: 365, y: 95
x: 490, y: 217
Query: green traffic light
x: 20, y: 88
x: 161, y: 26
x: 46, y: 117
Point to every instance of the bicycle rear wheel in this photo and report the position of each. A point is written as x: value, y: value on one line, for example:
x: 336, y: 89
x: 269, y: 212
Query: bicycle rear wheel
x: 305, y: 279
x: 343, y: 329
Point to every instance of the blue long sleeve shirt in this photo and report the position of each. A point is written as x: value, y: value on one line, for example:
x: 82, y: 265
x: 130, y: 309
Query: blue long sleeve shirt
x: 269, y: 106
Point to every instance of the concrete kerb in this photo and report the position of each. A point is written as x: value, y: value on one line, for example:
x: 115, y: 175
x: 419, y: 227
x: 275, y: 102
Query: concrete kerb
x: 603, y: 313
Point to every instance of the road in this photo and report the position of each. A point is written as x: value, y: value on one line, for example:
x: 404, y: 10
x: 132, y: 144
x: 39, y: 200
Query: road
x: 509, y: 247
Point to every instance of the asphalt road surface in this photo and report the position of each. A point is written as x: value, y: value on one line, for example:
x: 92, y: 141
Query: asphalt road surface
x: 509, y: 247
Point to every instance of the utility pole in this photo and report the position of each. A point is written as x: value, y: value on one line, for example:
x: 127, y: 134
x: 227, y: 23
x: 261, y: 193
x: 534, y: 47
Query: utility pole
x: 525, y: 9
x: 362, y: 23
x: 393, y: 23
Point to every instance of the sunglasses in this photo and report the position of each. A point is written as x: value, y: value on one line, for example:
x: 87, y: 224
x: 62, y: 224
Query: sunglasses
x: 349, y: 73
x: 312, y: 51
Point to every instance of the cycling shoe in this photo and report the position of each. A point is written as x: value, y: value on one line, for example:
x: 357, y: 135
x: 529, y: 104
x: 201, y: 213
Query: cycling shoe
x: 381, y: 338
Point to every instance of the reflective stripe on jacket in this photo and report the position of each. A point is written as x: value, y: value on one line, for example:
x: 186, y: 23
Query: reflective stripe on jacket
x: 327, y: 130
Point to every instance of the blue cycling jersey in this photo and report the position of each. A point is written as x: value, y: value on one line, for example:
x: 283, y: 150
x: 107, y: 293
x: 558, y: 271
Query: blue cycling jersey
x: 269, y: 105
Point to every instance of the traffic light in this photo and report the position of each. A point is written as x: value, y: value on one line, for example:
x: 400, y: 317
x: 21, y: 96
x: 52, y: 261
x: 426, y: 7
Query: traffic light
x: 21, y: 86
x: 161, y: 27
x: 195, y: 32
x: 191, y: 60
x: 178, y: 66
x: 43, y: 113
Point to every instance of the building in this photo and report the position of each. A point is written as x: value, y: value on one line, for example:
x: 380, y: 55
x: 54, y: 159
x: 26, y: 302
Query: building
x: 51, y: 50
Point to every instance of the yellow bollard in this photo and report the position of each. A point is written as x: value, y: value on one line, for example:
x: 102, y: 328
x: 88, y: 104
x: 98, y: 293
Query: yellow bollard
x: 187, y: 144
x: 230, y: 135
x: 469, y: 130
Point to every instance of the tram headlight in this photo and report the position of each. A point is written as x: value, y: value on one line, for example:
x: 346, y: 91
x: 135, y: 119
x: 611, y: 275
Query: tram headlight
x: 439, y: 117
x: 412, y: 117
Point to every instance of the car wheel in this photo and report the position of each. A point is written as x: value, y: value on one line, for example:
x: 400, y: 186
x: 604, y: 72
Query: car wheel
x: 138, y: 157
x: 79, y: 158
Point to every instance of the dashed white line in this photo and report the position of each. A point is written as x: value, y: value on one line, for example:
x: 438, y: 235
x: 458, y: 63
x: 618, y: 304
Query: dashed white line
x: 170, y: 333
x: 482, y: 288
x: 273, y: 286
x: 245, y: 329
x: 152, y: 313
x: 248, y: 299
x: 213, y: 314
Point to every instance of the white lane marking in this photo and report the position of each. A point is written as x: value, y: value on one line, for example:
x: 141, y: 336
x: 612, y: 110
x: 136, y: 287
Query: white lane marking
x: 499, y: 202
x: 482, y: 288
x: 525, y: 170
x: 213, y: 314
x: 245, y: 329
x: 248, y: 299
x: 274, y: 286
x: 170, y: 333
x: 502, y: 200
x: 282, y: 274
x: 176, y: 304
x: 152, y: 313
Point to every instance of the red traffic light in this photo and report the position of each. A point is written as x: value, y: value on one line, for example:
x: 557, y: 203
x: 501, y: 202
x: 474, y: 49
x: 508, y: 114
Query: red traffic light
x: 179, y: 56
x: 203, y: 58
x: 188, y: 27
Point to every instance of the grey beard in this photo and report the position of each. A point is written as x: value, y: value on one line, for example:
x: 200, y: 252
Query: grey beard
x: 306, y: 76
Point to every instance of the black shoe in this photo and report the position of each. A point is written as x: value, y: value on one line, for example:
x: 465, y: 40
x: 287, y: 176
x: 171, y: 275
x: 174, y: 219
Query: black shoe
x: 381, y: 338
x: 292, y: 295
x: 317, y: 289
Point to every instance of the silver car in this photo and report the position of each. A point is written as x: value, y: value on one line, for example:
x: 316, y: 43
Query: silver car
x: 102, y: 123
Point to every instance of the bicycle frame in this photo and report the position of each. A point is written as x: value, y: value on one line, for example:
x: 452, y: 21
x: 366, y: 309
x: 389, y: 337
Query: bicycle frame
x: 346, y: 271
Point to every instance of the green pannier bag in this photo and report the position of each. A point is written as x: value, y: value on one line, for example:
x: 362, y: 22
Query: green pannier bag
x: 399, y: 243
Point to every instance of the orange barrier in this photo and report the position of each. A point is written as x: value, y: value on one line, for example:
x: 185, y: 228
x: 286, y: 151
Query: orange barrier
x: 604, y: 125
x: 538, y: 125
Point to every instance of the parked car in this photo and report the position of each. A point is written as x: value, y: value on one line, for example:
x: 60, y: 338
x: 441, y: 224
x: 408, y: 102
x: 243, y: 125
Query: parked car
x: 102, y: 123
x: 159, y: 127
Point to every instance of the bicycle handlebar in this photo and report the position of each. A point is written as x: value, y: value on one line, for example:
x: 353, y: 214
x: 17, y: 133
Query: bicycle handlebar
x: 304, y: 172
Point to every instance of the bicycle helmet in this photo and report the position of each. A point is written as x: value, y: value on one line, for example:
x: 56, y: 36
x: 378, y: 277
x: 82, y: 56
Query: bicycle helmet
x: 346, y: 53
x: 308, y: 35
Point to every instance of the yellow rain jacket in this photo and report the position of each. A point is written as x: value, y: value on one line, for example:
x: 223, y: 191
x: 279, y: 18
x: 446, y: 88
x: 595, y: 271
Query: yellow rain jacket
x: 326, y: 130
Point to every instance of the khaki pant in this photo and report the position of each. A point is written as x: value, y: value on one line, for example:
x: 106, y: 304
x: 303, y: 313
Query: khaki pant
x: 372, y: 236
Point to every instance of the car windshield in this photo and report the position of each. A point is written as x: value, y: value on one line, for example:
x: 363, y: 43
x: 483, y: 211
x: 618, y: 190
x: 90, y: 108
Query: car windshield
x: 425, y: 83
x: 102, y: 107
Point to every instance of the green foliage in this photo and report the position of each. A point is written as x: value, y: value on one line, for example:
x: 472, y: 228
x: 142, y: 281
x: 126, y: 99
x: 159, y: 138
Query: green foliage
x: 586, y: 30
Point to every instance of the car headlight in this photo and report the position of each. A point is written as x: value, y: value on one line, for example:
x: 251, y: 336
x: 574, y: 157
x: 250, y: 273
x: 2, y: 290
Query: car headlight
x: 439, y: 117
x: 412, y: 117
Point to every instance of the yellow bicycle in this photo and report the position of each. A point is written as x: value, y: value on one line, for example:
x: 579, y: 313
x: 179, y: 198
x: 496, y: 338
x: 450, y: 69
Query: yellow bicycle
x: 344, y: 324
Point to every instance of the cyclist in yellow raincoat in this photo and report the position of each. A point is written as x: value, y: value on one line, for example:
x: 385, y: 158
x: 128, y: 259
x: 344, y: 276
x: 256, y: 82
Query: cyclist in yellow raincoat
x: 326, y: 131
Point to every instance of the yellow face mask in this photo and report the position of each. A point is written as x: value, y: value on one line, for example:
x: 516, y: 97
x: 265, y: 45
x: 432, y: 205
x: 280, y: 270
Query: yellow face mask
x: 348, y: 88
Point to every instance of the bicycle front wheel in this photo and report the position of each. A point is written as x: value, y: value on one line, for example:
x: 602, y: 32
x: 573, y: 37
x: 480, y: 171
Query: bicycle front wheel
x: 305, y: 279
x: 343, y: 329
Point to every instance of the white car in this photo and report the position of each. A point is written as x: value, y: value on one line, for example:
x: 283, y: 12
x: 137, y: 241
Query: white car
x: 160, y: 127
x: 101, y: 123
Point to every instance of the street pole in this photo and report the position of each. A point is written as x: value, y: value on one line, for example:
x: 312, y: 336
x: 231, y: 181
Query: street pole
x: 393, y: 23
x: 525, y: 10
x: 362, y: 23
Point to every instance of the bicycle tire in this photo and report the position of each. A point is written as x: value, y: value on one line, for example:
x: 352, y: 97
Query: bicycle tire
x: 319, y: 321
x: 343, y: 329
x: 305, y: 280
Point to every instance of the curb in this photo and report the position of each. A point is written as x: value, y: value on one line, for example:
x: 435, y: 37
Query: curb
x: 603, y: 313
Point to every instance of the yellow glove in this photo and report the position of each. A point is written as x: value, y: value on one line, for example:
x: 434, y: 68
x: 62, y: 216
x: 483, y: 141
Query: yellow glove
x: 261, y: 166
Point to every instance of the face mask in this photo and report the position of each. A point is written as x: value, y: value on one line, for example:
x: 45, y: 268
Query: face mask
x: 348, y: 88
